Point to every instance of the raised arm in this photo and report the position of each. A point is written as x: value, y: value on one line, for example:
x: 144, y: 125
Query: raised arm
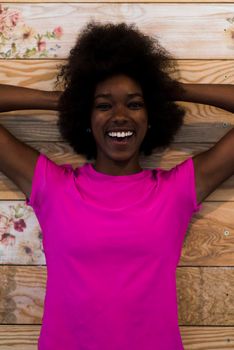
x: 215, y: 165
x: 18, y: 160
x: 14, y: 98
x: 218, y: 95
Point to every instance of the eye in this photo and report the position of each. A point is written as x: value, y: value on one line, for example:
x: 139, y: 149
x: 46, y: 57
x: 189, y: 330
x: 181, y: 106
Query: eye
x: 136, y: 104
x: 102, y: 106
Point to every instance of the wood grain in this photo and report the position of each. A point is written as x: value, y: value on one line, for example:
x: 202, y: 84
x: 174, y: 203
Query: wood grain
x: 23, y: 337
x: 22, y: 291
x: 204, y: 295
x: 121, y: 1
x: 187, y: 31
x: 41, y: 74
x: 19, y: 337
x: 207, y: 338
x: 209, y: 240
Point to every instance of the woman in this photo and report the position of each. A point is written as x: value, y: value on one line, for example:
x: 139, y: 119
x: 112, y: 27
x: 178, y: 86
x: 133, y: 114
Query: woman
x: 112, y: 231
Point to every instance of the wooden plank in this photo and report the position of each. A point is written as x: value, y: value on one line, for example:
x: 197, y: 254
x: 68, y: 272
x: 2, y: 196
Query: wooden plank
x: 207, y: 338
x: 204, y: 295
x: 22, y: 292
x: 202, y: 123
x: 201, y: 126
x: 188, y: 30
x: 62, y: 153
x: 35, y: 74
x: 19, y: 337
x: 125, y: 2
x: 209, y: 239
x: 41, y: 74
x: 206, y: 71
x: 23, y: 337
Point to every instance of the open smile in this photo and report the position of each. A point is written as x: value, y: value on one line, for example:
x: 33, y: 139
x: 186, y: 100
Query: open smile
x: 120, y: 138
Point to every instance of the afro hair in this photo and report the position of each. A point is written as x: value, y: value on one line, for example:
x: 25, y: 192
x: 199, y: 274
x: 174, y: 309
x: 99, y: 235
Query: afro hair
x: 104, y: 50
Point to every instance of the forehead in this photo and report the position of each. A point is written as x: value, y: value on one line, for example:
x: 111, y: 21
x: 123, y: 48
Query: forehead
x: 118, y: 84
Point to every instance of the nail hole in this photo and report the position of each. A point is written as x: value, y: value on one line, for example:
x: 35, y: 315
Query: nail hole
x: 225, y: 125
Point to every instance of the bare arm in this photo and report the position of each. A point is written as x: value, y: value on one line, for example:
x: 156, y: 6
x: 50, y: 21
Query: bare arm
x: 17, y: 159
x: 215, y: 165
x: 218, y: 95
x: 16, y: 97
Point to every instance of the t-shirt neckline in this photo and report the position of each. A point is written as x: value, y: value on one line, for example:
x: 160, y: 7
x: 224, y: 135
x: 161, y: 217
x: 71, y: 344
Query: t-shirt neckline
x: 99, y: 175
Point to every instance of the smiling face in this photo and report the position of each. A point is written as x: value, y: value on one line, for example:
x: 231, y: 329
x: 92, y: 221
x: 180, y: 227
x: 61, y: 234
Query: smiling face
x: 118, y: 107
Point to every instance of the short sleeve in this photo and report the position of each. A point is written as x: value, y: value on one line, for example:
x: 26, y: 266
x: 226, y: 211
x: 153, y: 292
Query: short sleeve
x: 37, y: 181
x: 186, y: 185
x: 197, y: 206
x: 47, y: 178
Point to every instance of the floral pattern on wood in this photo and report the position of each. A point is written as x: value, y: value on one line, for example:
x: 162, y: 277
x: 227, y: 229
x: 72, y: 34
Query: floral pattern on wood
x: 19, y: 40
x: 20, y: 235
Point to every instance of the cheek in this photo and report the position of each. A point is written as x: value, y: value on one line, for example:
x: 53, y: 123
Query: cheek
x: 98, y: 123
x: 97, y: 128
x: 96, y: 120
x: 94, y: 124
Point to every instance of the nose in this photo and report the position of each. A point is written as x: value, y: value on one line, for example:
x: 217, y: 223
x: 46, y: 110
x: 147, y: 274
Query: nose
x: 120, y: 113
x: 120, y: 119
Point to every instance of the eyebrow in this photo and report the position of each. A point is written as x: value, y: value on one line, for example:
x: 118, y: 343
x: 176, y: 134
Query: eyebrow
x: 109, y: 95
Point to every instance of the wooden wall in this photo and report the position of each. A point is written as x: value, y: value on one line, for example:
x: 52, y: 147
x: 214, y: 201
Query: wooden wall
x: 201, y: 37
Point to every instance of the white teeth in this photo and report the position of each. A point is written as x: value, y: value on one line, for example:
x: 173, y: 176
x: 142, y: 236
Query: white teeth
x: 120, y: 134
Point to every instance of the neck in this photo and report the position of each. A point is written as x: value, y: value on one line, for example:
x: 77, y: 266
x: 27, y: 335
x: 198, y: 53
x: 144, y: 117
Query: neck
x: 117, y: 167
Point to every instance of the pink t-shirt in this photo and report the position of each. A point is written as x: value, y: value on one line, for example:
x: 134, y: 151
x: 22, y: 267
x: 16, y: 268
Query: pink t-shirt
x: 112, y: 244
